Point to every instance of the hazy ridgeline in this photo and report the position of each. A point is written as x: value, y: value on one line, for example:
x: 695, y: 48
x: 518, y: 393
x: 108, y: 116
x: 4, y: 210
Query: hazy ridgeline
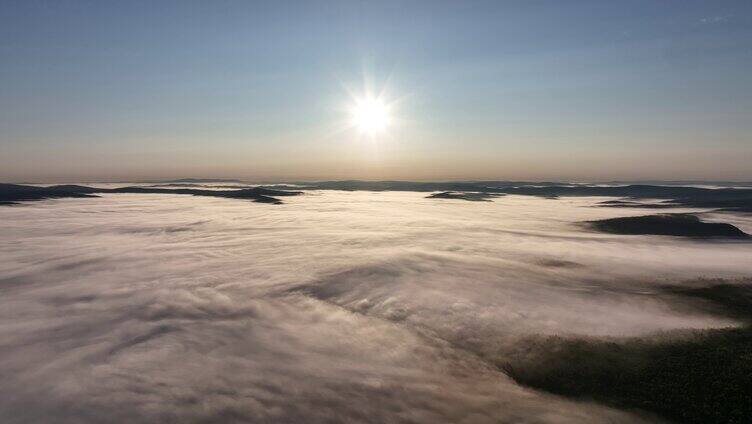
x: 332, y: 307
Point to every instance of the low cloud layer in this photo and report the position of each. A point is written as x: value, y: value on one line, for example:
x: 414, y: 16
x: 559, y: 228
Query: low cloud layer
x: 333, y: 307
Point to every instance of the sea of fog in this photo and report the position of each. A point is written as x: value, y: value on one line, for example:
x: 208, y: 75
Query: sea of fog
x: 333, y: 307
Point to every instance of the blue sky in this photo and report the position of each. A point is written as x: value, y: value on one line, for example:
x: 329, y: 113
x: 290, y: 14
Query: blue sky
x: 259, y: 90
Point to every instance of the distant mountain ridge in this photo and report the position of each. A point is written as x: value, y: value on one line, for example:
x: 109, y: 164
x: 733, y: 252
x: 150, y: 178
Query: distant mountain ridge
x: 725, y: 199
x: 14, y: 193
x: 194, y: 180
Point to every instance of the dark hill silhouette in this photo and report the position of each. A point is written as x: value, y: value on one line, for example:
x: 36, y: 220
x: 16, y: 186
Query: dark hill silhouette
x: 684, y: 225
x: 632, y: 204
x: 473, y: 197
x: 14, y: 193
x: 726, y: 199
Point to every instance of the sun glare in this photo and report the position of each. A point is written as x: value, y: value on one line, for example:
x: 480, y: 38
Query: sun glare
x: 370, y: 116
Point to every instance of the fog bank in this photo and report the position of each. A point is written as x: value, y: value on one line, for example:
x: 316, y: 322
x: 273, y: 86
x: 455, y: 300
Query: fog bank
x: 333, y: 307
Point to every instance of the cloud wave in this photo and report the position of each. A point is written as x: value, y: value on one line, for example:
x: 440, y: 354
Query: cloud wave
x: 334, y: 307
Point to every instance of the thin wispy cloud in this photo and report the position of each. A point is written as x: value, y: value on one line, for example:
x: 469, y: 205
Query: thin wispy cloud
x: 716, y: 19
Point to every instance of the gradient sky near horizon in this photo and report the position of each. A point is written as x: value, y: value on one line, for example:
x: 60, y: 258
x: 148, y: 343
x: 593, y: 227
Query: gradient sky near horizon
x: 582, y: 90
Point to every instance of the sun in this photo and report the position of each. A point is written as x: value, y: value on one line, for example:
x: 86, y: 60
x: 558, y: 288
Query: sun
x: 370, y: 116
